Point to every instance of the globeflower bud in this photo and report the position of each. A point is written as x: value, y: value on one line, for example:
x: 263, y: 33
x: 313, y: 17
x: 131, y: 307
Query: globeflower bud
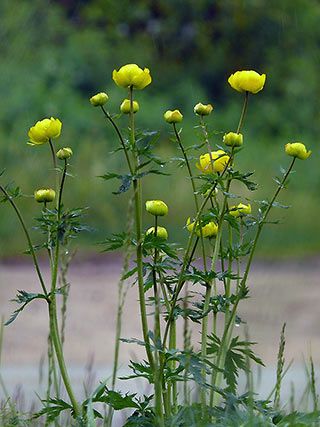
x: 247, y: 81
x: 173, y: 116
x: 233, y: 139
x: 161, y: 232
x: 64, y: 153
x: 203, y: 110
x: 216, y: 161
x: 297, y: 149
x: 125, y: 106
x: 208, y: 230
x: 44, y: 195
x: 131, y: 75
x: 156, y: 207
x: 99, y: 99
x: 44, y: 130
x: 240, y: 210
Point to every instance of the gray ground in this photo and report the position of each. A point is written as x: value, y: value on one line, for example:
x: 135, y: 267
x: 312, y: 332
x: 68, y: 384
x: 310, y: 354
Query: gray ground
x: 280, y: 292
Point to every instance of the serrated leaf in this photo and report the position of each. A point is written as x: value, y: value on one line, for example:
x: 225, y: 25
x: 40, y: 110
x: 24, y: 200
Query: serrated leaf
x: 23, y: 298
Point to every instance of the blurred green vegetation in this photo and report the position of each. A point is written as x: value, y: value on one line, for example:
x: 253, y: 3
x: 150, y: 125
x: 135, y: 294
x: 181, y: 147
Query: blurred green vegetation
x: 56, y: 54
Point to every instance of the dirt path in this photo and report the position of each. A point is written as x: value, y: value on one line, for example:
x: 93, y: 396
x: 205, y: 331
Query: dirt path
x: 281, y: 292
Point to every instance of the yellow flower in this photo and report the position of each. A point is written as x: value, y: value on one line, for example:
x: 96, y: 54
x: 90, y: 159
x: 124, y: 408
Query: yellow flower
x: 44, y: 130
x: 233, y: 139
x: 173, y: 116
x: 161, y: 232
x: 132, y: 75
x: 208, y: 230
x: 297, y: 149
x: 44, y: 195
x: 247, y: 81
x: 99, y: 99
x: 125, y: 106
x: 64, y: 153
x: 240, y: 210
x: 156, y: 207
x: 203, y: 110
x: 214, y: 162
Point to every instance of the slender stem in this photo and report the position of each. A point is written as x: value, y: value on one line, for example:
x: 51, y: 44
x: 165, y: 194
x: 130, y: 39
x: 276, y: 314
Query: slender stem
x: 53, y: 306
x: 33, y: 254
x: 193, y: 191
x: 138, y: 222
x: 54, y: 162
x: 226, y: 333
x: 243, y: 112
x: 108, y: 116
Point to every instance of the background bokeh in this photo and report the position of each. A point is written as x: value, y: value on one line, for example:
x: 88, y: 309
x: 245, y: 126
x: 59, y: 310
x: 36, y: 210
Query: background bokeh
x: 56, y: 54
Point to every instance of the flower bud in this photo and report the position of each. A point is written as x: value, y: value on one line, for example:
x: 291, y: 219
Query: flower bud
x: 125, y: 106
x: 203, y: 110
x: 208, y: 230
x: 297, y: 149
x: 213, y: 193
x: 99, y: 99
x: 216, y: 161
x: 64, y: 153
x: 161, y: 232
x: 44, y: 195
x: 173, y: 116
x: 233, y: 139
x: 240, y: 210
x: 156, y: 207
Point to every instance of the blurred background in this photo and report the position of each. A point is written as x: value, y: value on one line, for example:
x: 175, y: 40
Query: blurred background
x: 56, y: 54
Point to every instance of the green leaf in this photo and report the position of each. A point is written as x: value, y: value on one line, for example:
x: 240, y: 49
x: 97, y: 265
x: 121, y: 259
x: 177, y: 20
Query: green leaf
x: 23, y: 298
x: 126, y: 181
x: 119, y: 401
x: 118, y: 240
x: 53, y: 409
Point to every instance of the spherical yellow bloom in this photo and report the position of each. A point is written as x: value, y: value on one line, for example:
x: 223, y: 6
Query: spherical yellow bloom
x: 173, y: 116
x: 297, y: 149
x: 240, y: 210
x: 64, y: 153
x: 161, y: 232
x: 247, y: 81
x: 156, y: 207
x: 233, y: 139
x: 125, y: 106
x: 44, y: 130
x: 208, y: 230
x: 203, y: 110
x: 214, y: 162
x: 132, y: 75
x: 44, y: 195
x: 99, y: 99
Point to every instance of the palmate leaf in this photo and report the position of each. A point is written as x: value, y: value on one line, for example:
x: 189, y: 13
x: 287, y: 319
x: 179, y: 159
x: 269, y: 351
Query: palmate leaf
x: 23, y: 298
x: 119, y: 401
x: 53, y: 409
x: 244, y: 178
x: 116, y: 241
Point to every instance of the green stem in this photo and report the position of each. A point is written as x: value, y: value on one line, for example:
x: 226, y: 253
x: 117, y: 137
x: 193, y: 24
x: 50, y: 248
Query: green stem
x: 138, y: 222
x: 243, y: 112
x: 107, y: 115
x: 54, y: 329
x: 227, y: 333
x: 34, y: 258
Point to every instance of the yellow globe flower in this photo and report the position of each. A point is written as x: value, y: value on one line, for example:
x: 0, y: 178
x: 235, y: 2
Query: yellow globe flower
x: 173, y: 116
x: 161, y: 232
x: 131, y: 75
x: 233, y: 139
x: 208, y: 230
x: 247, y: 81
x: 214, y: 162
x: 203, y: 110
x: 240, y: 210
x: 99, y: 99
x: 44, y: 195
x: 297, y: 149
x: 156, y: 207
x: 125, y: 106
x: 44, y: 130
